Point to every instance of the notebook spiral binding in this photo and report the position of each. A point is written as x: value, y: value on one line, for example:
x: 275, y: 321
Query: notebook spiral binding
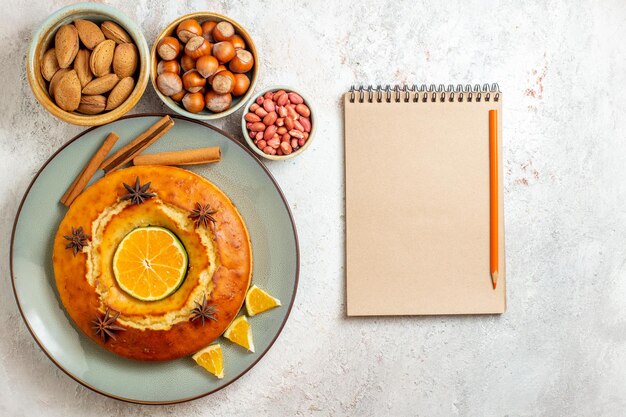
x: 432, y: 93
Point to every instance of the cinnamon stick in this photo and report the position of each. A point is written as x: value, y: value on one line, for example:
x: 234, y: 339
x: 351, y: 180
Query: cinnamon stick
x: 82, y: 180
x: 137, y: 145
x: 186, y: 157
x: 71, y: 187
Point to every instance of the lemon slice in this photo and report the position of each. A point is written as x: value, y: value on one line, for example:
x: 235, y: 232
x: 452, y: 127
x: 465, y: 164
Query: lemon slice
x: 258, y: 301
x: 150, y: 263
x: 239, y: 332
x: 211, y: 359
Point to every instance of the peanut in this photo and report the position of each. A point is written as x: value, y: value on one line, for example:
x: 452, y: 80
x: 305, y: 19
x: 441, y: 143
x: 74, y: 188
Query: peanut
x: 260, y: 112
x: 295, y: 98
x: 289, y: 123
x: 270, y: 118
x: 257, y: 127
x: 251, y: 117
x: 286, y: 148
x: 303, y: 110
x: 296, y: 134
x: 291, y: 112
x: 298, y: 126
x: 282, y: 100
x: 269, y: 132
x: 269, y: 105
x: 274, y: 143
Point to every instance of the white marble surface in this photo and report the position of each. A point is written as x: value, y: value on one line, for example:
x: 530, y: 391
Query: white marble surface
x: 560, y: 350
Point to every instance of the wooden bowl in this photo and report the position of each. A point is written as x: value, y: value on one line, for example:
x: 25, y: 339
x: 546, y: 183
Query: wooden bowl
x: 45, y: 36
x: 237, y: 101
x: 250, y: 142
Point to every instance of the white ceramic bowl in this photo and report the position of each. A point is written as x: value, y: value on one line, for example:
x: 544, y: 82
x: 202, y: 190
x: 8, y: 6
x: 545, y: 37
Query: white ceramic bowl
x: 249, y: 141
x: 253, y: 74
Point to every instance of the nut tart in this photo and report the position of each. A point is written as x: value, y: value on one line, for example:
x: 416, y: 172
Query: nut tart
x: 152, y: 262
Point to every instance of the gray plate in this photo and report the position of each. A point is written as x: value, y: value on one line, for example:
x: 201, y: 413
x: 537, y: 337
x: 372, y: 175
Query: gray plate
x: 274, y: 243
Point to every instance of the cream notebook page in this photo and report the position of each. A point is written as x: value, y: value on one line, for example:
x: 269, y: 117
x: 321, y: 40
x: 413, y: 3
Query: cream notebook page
x: 417, y: 205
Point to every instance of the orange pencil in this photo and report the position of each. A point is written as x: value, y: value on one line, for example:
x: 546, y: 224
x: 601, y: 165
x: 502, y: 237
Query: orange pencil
x: 493, y: 197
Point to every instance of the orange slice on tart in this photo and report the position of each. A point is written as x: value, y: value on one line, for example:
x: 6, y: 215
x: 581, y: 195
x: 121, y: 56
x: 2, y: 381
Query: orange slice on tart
x: 150, y: 263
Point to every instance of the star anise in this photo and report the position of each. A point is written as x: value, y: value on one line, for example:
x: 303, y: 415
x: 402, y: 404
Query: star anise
x: 105, y: 326
x: 78, y: 240
x: 138, y: 193
x: 203, y: 311
x: 202, y: 215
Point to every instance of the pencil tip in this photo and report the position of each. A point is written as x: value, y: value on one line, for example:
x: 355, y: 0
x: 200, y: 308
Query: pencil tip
x: 494, y: 279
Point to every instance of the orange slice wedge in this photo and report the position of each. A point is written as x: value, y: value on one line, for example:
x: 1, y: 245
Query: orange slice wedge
x: 258, y: 301
x: 150, y: 263
x: 211, y: 359
x: 239, y: 332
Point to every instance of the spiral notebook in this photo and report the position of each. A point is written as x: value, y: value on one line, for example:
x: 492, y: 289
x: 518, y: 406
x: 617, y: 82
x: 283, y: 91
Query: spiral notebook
x: 417, y: 201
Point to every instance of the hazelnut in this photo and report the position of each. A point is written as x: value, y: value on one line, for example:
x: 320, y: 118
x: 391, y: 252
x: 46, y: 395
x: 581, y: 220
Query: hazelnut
x: 193, y: 81
x: 178, y: 96
x: 169, y: 83
x: 224, y: 51
x: 217, y: 102
x: 238, y: 42
x: 187, y: 63
x: 187, y: 29
x: 242, y: 62
x: 242, y: 83
x: 168, y: 66
x: 207, y: 65
x: 197, y: 46
x: 223, y: 31
x: 217, y: 71
x: 207, y: 28
x: 223, y: 82
x: 193, y: 102
x: 168, y: 48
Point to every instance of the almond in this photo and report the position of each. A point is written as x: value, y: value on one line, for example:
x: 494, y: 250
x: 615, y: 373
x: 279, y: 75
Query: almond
x: 81, y: 65
x: 125, y: 60
x: 49, y: 64
x: 89, y: 33
x: 120, y: 93
x: 101, y: 58
x: 66, y: 45
x: 115, y: 32
x: 67, y: 92
x: 92, y: 104
x: 101, y: 84
x: 55, y: 80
